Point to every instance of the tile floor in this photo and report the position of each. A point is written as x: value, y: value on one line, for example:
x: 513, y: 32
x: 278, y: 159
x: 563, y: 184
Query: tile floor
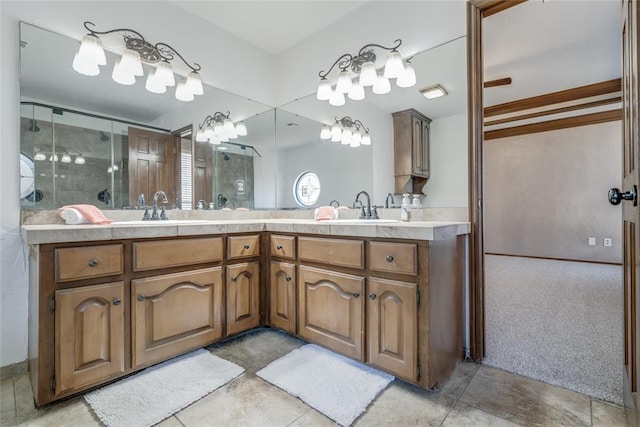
x: 474, y: 396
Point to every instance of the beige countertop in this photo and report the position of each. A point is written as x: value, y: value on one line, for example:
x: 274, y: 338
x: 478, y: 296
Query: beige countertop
x: 414, y: 230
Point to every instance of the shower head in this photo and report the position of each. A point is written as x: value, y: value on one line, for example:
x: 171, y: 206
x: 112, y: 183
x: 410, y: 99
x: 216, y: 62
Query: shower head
x: 104, y: 136
x: 33, y: 126
x: 224, y: 156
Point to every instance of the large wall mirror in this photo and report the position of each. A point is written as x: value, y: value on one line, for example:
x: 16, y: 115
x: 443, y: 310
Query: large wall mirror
x: 79, y: 136
x: 256, y: 171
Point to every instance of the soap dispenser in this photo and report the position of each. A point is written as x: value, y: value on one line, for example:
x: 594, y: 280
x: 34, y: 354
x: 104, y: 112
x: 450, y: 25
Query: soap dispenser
x: 405, y: 208
x: 416, y: 201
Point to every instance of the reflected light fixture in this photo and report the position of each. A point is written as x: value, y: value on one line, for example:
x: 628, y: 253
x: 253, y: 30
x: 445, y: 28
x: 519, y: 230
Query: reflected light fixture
x: 435, y: 91
x: 347, y: 131
x: 219, y: 128
x: 358, y: 71
x: 91, y: 56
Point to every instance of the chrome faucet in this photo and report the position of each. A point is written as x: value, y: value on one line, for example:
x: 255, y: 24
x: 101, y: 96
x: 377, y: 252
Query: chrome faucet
x: 365, y: 214
x: 336, y: 202
x: 154, y: 214
x: 141, y: 200
x: 393, y: 201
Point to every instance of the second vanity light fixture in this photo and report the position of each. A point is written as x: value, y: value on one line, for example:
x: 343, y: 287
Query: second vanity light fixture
x: 347, y: 131
x: 219, y: 128
x: 91, y: 55
x: 363, y: 66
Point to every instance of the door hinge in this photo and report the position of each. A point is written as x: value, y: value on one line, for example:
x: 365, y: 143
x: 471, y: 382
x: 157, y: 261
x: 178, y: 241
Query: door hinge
x: 52, y: 382
x: 418, y: 297
x: 52, y: 303
x: 419, y: 371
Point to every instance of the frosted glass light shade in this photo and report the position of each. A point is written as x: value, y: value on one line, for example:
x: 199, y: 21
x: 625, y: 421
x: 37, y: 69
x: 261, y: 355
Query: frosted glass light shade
x: 121, y: 75
x: 215, y: 141
x: 355, y: 143
x: 393, y: 67
x: 183, y: 94
x: 164, y: 74
x: 347, y: 135
x: 66, y: 158
x: 368, y: 74
x: 337, y: 99
x: 53, y: 157
x: 79, y: 160
x: 82, y: 66
x: 325, y: 132
x: 366, y: 139
x: 381, y: 86
x: 336, y: 133
x: 228, y: 126
x: 356, y: 138
x: 130, y: 62
x: 344, y: 82
x: 218, y: 129
x: 408, y: 76
x: 208, y: 132
x: 194, y: 83
x: 241, y: 128
x: 233, y: 133
x: 91, y: 50
x: 356, y: 92
x: 40, y: 156
x: 324, y: 90
x: 153, y: 84
x: 201, y: 135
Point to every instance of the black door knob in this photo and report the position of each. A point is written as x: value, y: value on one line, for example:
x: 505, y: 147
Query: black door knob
x: 615, y: 196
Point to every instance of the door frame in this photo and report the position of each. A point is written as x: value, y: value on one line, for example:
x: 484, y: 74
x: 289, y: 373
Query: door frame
x: 477, y: 10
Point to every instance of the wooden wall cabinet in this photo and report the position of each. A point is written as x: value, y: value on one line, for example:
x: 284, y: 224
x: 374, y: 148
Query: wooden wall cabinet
x: 174, y: 313
x: 411, y: 150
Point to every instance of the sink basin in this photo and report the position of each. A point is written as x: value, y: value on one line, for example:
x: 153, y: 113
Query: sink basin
x: 362, y: 221
x: 162, y: 222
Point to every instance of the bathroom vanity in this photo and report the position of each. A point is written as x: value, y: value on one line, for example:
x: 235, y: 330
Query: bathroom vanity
x: 109, y: 300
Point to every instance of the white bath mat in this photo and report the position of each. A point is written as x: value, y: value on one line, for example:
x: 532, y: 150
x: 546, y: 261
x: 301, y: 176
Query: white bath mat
x: 338, y: 387
x: 158, y: 392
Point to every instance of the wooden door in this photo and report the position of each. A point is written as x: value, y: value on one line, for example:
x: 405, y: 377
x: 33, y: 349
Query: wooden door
x: 416, y: 145
x: 331, y: 310
x: 630, y: 210
x: 151, y: 165
x: 392, y: 331
x: 175, y: 313
x: 89, y: 335
x: 202, y: 172
x: 282, y: 297
x: 243, y: 297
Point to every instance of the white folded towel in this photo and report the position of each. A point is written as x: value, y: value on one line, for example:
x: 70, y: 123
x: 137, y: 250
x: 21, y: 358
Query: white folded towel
x: 73, y: 216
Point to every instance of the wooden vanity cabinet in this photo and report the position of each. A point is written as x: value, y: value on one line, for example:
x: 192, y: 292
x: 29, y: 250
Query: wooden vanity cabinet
x: 174, y: 313
x: 89, y: 335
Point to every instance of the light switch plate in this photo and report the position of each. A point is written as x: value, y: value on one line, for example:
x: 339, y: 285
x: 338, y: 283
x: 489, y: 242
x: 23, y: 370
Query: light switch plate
x: 607, y: 241
x: 592, y: 241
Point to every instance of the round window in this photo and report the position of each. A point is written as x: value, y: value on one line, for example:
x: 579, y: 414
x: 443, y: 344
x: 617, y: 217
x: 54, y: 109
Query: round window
x: 26, y: 176
x: 306, y: 189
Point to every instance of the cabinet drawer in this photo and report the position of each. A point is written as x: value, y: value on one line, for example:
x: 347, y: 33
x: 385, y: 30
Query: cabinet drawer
x: 174, y: 253
x: 243, y: 246
x: 283, y: 246
x: 393, y: 257
x: 84, y: 262
x: 347, y: 253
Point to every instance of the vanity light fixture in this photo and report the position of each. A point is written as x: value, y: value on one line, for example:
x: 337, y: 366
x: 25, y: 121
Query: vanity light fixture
x: 64, y: 157
x: 435, y: 91
x: 90, y: 57
x: 347, y: 131
x: 219, y: 128
x: 363, y: 68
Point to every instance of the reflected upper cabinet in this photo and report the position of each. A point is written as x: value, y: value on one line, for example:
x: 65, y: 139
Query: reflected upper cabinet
x: 411, y: 150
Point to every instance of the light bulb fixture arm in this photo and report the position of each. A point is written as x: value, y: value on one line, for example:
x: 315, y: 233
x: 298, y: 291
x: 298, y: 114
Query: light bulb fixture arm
x: 216, y: 117
x: 348, y: 122
x: 147, y: 51
x: 365, y: 54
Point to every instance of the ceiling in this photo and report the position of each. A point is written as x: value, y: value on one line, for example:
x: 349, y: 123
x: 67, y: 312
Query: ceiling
x: 273, y: 26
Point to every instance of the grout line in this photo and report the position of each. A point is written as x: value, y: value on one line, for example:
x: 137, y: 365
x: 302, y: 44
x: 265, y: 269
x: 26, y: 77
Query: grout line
x: 591, y: 410
x: 180, y: 421
x: 457, y: 399
x: 301, y: 415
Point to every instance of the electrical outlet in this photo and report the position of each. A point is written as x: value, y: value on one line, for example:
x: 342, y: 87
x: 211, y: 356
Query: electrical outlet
x: 607, y: 241
x: 592, y: 241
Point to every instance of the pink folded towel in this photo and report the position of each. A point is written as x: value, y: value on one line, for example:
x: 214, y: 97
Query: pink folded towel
x: 83, y: 214
x: 324, y: 213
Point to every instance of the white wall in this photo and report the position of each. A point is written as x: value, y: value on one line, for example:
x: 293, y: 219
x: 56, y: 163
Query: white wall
x: 448, y: 150
x: 13, y: 268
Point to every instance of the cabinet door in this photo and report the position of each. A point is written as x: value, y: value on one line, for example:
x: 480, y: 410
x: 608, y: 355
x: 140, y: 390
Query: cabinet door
x: 282, y: 301
x: 331, y: 310
x: 392, y: 327
x: 243, y: 297
x: 424, y: 142
x: 416, y: 146
x: 174, y: 313
x: 89, y: 335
